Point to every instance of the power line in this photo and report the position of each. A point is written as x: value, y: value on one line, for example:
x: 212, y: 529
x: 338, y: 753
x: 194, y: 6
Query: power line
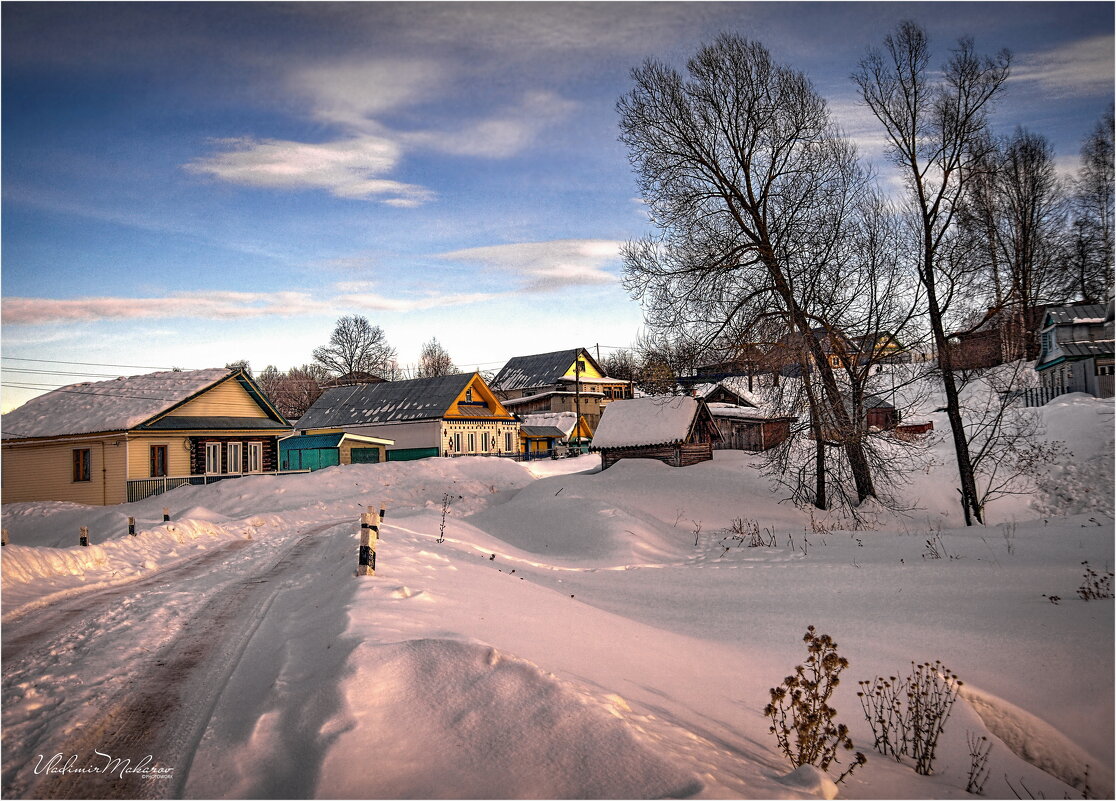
x: 85, y: 364
x: 98, y: 394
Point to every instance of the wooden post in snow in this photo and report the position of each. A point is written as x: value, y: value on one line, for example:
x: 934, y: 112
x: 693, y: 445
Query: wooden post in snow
x: 4, y: 537
x: 132, y: 526
x: 83, y: 540
x: 369, y: 533
x: 166, y: 514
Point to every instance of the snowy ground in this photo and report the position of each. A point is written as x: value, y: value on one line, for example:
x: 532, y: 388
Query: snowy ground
x: 575, y: 634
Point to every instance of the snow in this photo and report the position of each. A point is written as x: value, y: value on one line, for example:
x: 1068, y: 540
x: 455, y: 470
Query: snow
x: 568, y: 633
x: 653, y: 420
x: 115, y: 405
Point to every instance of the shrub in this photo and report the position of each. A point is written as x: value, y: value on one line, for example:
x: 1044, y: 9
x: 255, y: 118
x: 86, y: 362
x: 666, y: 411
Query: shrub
x: 1094, y: 586
x: 908, y: 715
x: 802, y: 720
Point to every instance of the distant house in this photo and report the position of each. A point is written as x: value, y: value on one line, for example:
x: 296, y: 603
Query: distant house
x: 561, y: 381
x: 543, y: 433
x: 1076, y: 349
x: 351, y: 379
x: 731, y: 390
x: 674, y: 429
x: 123, y: 440
x: 1001, y: 336
x: 453, y: 415
x: 315, y: 451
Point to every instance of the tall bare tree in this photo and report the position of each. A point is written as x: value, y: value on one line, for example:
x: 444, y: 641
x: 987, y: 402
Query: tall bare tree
x: 356, y: 346
x: 750, y: 188
x: 434, y: 360
x: 1091, y: 249
x: 934, y: 125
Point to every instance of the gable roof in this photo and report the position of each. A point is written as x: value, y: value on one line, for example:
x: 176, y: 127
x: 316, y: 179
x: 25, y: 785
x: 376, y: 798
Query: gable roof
x: 120, y: 404
x: 653, y: 420
x: 565, y: 422
x: 737, y: 386
x: 389, y: 402
x: 540, y: 369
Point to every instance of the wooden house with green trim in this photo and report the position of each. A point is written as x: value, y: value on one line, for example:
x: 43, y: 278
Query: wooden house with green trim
x: 454, y: 415
x: 108, y: 442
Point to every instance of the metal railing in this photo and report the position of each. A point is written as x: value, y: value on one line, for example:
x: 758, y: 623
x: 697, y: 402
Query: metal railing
x: 140, y: 488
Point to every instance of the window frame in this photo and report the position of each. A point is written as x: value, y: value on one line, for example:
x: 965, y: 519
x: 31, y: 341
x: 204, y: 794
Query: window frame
x: 234, y: 467
x: 82, y: 465
x: 210, y: 449
x: 255, y: 453
x: 158, y: 461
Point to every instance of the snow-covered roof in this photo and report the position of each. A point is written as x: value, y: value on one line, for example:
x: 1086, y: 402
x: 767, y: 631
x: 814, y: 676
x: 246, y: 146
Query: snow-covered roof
x: 563, y: 421
x: 736, y: 385
x: 740, y: 412
x: 1080, y: 314
x: 388, y: 402
x: 116, y: 405
x: 654, y: 420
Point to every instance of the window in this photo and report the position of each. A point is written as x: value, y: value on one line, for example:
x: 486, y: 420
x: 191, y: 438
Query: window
x: 83, y: 464
x: 212, y: 457
x: 581, y: 365
x: 457, y: 442
x: 236, y: 457
x: 255, y: 457
x: 484, y: 442
x: 507, y: 441
x: 469, y: 395
x: 472, y: 442
x: 158, y: 461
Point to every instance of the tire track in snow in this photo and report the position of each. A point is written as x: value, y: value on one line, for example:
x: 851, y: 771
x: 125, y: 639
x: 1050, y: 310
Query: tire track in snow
x: 167, y: 704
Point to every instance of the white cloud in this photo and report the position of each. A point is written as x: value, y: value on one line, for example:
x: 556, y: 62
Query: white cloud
x: 547, y: 266
x: 349, y: 168
x: 1077, y: 68
x: 353, y: 93
x: 376, y: 302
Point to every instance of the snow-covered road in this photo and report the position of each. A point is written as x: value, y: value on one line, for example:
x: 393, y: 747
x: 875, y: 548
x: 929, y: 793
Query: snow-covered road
x: 153, y: 703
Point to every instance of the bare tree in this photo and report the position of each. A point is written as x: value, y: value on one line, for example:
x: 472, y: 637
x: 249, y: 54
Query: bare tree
x: 356, y: 346
x: 934, y: 127
x: 434, y: 361
x: 1091, y: 237
x: 750, y: 187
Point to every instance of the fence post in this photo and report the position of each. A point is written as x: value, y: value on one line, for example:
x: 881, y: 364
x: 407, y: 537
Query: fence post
x: 166, y: 514
x: 369, y: 533
x: 4, y: 537
x: 83, y: 540
x: 132, y: 526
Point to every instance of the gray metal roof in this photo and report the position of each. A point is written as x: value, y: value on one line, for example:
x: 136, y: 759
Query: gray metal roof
x: 538, y: 370
x: 1063, y: 315
x: 178, y: 423
x: 389, y: 402
x: 1101, y: 348
x: 541, y: 431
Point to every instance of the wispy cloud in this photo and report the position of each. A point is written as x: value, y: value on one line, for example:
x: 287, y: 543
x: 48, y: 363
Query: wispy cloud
x: 349, y: 168
x: 225, y: 305
x: 547, y: 266
x: 1077, y: 68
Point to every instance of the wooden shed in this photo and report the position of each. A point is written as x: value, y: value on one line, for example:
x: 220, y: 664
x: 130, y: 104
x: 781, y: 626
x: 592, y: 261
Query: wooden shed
x: 675, y: 430
x: 748, y: 429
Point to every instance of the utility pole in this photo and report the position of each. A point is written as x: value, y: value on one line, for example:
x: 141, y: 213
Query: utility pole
x: 577, y: 393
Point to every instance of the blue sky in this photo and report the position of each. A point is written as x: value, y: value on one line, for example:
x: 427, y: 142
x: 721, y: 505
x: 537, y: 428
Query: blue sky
x: 191, y: 184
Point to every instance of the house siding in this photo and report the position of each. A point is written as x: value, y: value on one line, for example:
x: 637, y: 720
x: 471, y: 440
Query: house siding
x: 44, y: 472
x: 139, y: 455
x: 228, y: 399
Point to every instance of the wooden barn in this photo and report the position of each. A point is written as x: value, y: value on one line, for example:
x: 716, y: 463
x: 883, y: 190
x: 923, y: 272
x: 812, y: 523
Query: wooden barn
x: 747, y: 428
x: 675, y: 430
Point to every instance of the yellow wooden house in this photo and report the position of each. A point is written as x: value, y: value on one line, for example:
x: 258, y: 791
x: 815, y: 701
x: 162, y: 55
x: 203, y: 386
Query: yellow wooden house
x: 123, y: 440
x: 561, y: 381
x: 453, y: 415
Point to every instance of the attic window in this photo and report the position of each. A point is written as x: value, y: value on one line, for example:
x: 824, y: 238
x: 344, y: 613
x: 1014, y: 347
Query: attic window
x: 469, y: 395
x: 581, y: 365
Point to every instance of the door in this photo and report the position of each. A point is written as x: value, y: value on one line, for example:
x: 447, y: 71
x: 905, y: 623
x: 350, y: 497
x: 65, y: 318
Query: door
x: 366, y: 456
